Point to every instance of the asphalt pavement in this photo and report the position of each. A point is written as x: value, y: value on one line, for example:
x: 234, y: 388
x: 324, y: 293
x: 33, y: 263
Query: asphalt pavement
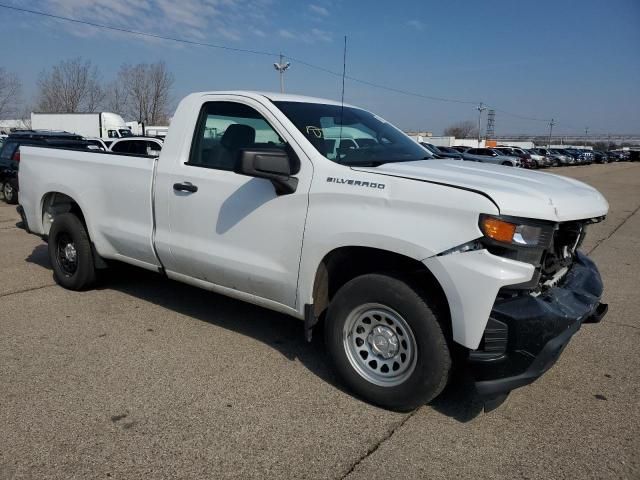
x: 149, y: 378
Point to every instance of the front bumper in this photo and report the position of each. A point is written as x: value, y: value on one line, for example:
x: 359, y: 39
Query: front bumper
x: 525, y: 335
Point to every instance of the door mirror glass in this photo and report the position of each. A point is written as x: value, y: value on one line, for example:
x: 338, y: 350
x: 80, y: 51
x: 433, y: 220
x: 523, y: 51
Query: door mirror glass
x: 153, y: 152
x: 273, y: 164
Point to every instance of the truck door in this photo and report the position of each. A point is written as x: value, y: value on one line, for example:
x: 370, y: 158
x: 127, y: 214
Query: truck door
x: 228, y: 229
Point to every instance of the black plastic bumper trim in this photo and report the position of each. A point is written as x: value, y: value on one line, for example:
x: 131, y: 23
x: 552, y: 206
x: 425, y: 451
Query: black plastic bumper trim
x: 23, y: 218
x: 539, y: 330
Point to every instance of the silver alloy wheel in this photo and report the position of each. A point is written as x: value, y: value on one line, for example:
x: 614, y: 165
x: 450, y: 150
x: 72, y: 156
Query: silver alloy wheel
x: 7, y: 191
x: 380, y: 344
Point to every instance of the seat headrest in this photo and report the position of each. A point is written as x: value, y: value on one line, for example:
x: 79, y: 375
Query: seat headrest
x: 238, y: 136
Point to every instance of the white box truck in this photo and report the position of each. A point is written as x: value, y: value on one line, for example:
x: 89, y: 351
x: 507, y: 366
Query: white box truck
x: 103, y: 125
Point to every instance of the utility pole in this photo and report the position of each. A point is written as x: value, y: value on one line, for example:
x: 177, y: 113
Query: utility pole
x: 551, y: 124
x: 586, y: 134
x: 481, y: 108
x: 281, y: 67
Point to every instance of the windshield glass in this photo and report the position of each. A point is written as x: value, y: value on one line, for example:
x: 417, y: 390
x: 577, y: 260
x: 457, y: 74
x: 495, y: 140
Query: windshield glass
x: 351, y: 136
x: 125, y: 132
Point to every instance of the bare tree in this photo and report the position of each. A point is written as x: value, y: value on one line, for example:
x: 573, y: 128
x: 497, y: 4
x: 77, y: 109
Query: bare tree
x: 116, y: 98
x: 70, y: 86
x: 465, y: 129
x: 25, y: 116
x: 148, y: 92
x: 10, y: 93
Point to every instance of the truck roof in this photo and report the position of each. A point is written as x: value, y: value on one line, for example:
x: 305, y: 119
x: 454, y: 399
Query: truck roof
x: 276, y: 97
x: 43, y: 134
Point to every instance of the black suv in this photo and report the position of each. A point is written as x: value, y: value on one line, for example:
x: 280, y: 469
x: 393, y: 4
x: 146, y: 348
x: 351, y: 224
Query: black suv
x: 10, y: 154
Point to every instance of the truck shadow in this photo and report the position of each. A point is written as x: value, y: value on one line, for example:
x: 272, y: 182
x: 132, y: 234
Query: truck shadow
x: 282, y: 333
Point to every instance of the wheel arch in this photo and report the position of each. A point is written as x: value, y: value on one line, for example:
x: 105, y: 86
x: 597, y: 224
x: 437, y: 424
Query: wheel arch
x: 345, y: 263
x: 55, y: 203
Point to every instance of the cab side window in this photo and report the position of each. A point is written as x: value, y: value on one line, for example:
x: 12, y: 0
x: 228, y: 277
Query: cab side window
x: 224, y: 129
x: 121, y: 147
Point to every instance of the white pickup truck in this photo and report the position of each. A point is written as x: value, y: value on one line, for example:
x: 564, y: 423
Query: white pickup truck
x: 414, y: 264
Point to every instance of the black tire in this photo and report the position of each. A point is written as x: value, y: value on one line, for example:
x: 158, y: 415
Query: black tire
x: 67, y: 229
x: 10, y: 191
x: 507, y: 164
x: 432, y: 358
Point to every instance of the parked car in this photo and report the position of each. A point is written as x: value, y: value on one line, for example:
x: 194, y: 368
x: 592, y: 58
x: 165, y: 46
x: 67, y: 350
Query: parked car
x: 10, y: 155
x: 489, y: 155
x: 557, y: 159
x: 525, y: 158
x: 150, y: 146
x: 542, y: 160
x: 442, y: 152
x: 97, y: 144
x: 417, y: 267
x: 460, y: 148
x: 600, y: 157
x: 582, y: 157
x: 433, y: 151
x: 451, y: 153
x: 617, y: 155
x: 573, y: 156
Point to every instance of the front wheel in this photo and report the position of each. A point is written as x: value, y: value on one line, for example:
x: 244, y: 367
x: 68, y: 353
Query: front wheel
x: 386, y: 342
x: 70, y: 253
x: 10, y: 192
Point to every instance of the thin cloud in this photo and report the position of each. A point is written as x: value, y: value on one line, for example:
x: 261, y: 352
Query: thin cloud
x: 196, y: 19
x: 417, y: 24
x: 286, y: 33
x: 321, y: 35
x: 318, y: 9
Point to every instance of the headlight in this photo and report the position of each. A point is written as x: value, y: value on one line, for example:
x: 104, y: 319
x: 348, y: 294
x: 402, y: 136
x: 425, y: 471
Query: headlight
x: 516, y: 231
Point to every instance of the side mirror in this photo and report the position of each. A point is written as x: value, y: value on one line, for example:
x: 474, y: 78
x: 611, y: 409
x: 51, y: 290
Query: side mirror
x: 152, y: 152
x: 273, y: 164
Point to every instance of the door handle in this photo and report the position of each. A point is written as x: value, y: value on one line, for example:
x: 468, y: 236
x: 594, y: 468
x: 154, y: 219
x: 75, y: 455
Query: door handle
x: 185, y: 187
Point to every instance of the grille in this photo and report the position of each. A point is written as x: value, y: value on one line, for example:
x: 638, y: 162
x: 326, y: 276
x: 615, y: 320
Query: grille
x: 566, y: 239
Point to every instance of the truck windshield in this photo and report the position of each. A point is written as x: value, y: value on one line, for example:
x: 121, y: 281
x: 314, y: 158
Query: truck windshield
x: 352, y: 136
x: 125, y: 132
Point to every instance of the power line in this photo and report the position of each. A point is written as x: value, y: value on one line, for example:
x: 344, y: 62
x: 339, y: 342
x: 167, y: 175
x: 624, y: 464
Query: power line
x: 135, y: 32
x: 263, y: 53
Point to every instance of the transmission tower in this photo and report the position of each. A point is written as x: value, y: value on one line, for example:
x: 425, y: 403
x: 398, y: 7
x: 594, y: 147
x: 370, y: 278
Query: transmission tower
x: 491, y: 124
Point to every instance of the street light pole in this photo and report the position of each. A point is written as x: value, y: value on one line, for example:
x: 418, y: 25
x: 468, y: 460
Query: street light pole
x: 551, y: 124
x: 481, y: 108
x: 281, y: 66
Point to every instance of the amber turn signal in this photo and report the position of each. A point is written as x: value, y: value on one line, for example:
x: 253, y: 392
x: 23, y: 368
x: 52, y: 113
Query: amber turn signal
x: 497, y: 229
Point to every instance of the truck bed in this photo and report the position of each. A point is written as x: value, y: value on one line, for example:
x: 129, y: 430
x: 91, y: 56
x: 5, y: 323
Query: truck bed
x: 113, y: 190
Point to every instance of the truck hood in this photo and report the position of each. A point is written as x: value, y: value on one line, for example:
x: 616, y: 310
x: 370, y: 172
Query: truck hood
x: 517, y: 192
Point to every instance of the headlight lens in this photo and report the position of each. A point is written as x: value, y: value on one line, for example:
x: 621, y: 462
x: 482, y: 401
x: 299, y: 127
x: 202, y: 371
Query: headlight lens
x: 513, y: 232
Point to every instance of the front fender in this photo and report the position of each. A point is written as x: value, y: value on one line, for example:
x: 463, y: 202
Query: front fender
x: 471, y: 282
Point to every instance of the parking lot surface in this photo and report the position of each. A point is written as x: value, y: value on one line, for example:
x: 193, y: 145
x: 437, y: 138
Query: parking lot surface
x: 149, y: 378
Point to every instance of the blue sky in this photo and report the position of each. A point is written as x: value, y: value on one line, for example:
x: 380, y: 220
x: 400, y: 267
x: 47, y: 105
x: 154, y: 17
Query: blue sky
x: 576, y: 61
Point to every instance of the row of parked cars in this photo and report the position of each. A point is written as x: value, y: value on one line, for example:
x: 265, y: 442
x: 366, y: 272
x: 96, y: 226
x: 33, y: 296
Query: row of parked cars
x: 10, y: 151
x: 526, y: 157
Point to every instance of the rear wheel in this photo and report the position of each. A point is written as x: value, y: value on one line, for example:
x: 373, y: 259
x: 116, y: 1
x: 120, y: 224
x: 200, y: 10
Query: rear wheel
x: 386, y: 343
x: 70, y: 253
x: 10, y: 191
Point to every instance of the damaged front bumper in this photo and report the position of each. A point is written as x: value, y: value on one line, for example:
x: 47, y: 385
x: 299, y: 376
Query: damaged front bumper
x: 526, y: 334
